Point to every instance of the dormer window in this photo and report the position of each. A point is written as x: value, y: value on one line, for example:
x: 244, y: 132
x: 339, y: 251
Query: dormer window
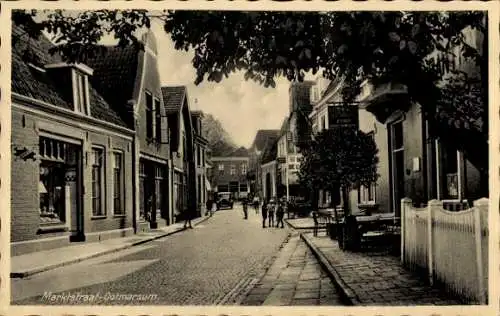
x: 74, y: 80
x: 81, y: 92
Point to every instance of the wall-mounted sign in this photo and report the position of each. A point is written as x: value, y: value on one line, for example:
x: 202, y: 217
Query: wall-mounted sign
x: 343, y: 115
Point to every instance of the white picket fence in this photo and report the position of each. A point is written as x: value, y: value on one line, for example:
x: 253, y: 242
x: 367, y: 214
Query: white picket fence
x: 451, y: 247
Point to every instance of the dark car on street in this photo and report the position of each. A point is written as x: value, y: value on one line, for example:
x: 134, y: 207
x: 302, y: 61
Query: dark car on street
x: 224, y: 200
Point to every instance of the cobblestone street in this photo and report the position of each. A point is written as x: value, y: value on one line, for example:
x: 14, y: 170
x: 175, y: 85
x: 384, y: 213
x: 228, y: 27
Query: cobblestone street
x: 198, y: 266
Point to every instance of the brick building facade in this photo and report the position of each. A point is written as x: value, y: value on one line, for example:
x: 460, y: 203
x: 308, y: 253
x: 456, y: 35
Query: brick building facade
x: 71, y: 154
x: 229, y: 174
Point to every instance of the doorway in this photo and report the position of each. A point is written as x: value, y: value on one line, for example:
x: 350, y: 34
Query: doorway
x: 397, y: 165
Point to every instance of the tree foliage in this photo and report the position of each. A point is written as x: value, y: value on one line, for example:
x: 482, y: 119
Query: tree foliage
x: 219, y: 141
x: 377, y: 46
x: 339, y: 157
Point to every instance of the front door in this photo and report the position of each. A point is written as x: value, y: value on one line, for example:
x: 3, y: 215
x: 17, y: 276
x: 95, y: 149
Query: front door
x: 398, y: 165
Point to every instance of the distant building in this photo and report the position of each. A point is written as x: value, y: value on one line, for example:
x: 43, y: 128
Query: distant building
x: 263, y: 139
x: 269, y: 171
x: 229, y: 173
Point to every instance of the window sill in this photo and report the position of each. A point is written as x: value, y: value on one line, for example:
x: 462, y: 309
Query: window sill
x: 52, y: 228
x: 119, y: 215
x: 98, y: 217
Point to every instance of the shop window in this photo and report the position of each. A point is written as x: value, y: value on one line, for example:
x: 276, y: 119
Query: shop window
x: 97, y: 182
x: 118, y: 184
x: 150, y: 130
x: 51, y: 189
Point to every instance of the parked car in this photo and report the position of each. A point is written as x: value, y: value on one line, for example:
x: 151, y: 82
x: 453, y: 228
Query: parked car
x: 224, y: 200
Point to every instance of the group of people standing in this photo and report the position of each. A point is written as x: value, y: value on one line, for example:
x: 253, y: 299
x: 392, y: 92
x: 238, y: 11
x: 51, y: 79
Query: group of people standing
x: 269, y: 209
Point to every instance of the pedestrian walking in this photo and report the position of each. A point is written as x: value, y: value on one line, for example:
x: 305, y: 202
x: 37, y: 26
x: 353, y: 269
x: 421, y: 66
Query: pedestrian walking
x: 187, y: 218
x: 280, y: 213
x: 256, y: 204
x: 264, y: 214
x: 245, y: 208
x: 210, y: 206
x: 270, y: 212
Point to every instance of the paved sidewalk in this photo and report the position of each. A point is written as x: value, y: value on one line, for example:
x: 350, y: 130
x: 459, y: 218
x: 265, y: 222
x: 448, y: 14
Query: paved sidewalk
x: 295, y: 278
x: 371, y: 279
x: 40, y: 261
x: 300, y: 223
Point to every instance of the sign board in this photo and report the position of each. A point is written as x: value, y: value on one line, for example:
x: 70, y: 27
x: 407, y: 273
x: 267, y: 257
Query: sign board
x: 281, y: 160
x: 343, y: 115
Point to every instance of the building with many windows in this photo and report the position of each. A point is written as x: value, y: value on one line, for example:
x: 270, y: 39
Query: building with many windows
x: 128, y: 78
x: 229, y: 173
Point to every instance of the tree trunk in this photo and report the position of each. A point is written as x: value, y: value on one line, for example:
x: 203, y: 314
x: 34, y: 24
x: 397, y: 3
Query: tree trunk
x: 346, y: 238
x: 345, y: 198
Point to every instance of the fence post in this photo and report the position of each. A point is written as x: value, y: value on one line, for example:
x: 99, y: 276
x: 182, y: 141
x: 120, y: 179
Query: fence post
x: 478, y: 207
x: 405, y: 202
x: 432, y: 205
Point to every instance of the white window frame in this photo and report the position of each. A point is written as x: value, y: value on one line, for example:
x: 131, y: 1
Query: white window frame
x: 102, y: 149
x: 233, y: 170
x: 122, y: 211
x: 81, y: 92
x: 364, y: 194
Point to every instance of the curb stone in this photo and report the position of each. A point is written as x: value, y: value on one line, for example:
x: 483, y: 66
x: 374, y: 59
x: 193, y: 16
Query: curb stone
x: 345, y: 291
x: 95, y: 255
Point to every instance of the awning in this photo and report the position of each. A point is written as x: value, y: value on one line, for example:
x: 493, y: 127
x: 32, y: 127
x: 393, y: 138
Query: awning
x: 207, y: 185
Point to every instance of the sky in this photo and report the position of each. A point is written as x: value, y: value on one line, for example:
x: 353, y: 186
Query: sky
x: 242, y: 107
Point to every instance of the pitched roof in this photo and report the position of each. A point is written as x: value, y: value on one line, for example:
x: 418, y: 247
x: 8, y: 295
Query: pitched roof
x: 284, y: 126
x: 270, y: 152
x: 263, y: 136
x: 38, y: 84
x: 114, y: 77
x: 240, y: 152
x: 173, y: 98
